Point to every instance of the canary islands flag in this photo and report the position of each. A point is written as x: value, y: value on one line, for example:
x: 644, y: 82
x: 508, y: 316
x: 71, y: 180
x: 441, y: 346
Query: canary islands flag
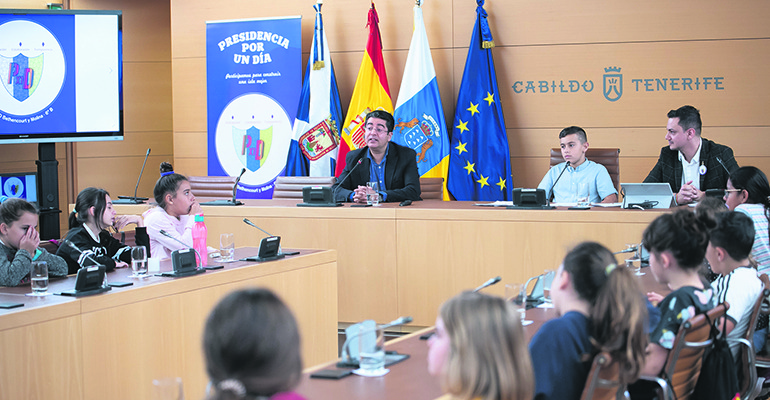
x: 370, y: 93
x: 419, y: 114
x: 313, y: 149
x: 479, y: 160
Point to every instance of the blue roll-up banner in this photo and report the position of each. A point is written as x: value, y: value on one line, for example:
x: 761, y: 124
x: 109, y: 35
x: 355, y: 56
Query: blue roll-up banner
x: 253, y: 74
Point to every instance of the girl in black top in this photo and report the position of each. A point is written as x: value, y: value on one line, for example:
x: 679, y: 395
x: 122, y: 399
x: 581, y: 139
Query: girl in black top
x: 89, y: 221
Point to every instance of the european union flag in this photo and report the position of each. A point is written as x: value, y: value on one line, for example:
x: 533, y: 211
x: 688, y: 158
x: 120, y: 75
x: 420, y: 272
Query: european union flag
x: 479, y: 159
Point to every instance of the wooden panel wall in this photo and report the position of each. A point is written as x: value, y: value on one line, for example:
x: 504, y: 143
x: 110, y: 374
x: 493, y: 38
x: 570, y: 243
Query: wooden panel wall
x: 536, y: 41
x: 115, y: 166
x: 147, y: 108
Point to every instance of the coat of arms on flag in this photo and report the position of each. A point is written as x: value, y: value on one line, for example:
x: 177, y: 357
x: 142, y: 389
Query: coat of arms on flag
x: 419, y: 114
x: 370, y: 92
x: 355, y: 129
x: 420, y: 135
x: 319, y: 140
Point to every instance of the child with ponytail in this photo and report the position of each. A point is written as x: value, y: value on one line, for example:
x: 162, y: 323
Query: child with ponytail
x: 174, y: 214
x: 88, y: 222
x: 601, y: 308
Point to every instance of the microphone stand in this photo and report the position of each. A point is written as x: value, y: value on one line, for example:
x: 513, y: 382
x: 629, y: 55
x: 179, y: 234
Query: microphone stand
x: 280, y: 249
x: 200, y: 257
x: 76, y: 248
x: 228, y: 202
x: 134, y: 200
x: 488, y: 283
x: 557, y: 180
x: 339, y: 184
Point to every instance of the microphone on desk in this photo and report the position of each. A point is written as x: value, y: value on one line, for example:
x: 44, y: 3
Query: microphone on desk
x: 630, y: 249
x: 351, y: 170
x: 81, y: 252
x: 557, y: 180
x: 249, y: 223
x: 718, y: 192
x: 235, y: 187
x: 345, y: 353
x: 134, y: 200
x: 280, y: 251
x: 719, y: 160
x: 228, y: 202
x: 488, y: 283
x: 187, y: 248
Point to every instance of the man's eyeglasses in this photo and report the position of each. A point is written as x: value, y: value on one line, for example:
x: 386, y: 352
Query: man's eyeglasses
x: 378, y: 129
x: 727, y: 191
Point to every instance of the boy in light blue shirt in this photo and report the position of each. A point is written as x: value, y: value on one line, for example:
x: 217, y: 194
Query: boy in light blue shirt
x: 574, y: 143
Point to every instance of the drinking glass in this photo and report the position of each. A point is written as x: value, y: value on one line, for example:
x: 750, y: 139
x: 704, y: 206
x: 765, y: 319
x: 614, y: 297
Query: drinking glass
x: 371, y: 351
x: 547, y: 283
x: 581, y: 195
x: 517, y: 294
x: 373, y: 193
x: 167, y: 389
x: 139, y: 262
x: 38, y: 275
x: 227, y: 247
x: 637, y: 267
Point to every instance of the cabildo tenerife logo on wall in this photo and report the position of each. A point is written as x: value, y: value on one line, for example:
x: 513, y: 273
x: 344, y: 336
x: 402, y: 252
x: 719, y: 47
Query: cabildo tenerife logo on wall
x: 612, y: 85
x: 32, y: 67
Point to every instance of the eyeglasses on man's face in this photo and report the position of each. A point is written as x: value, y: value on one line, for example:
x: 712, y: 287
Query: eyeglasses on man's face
x: 381, y: 130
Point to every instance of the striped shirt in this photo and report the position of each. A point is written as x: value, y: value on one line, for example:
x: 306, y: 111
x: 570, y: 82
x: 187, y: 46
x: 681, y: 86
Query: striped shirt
x: 761, y: 249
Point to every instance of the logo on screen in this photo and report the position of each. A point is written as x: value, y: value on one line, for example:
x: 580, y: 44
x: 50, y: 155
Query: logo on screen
x: 32, y: 67
x: 23, y: 75
x: 13, y: 187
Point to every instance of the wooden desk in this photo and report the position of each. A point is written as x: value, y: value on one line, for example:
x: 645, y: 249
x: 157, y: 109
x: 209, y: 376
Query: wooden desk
x: 409, y: 379
x: 396, y: 261
x: 111, y: 346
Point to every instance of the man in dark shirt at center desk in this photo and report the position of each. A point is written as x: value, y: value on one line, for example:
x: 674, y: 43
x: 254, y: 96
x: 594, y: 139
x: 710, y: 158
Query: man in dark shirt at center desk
x: 394, y: 167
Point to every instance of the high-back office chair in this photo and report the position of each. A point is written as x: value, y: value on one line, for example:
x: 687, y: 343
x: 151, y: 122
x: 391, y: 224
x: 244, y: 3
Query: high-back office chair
x: 682, y: 368
x: 207, y: 188
x: 603, y: 380
x: 290, y: 187
x: 432, y: 188
x: 749, y: 379
x: 609, y: 157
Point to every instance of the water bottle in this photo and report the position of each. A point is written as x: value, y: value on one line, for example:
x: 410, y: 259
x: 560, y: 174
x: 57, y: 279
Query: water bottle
x: 199, y: 233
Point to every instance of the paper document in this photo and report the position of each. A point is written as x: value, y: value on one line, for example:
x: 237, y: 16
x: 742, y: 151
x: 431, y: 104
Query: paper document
x: 499, y: 203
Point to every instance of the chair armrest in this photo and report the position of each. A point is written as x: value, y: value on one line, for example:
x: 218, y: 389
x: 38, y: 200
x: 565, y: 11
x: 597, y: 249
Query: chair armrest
x: 664, y: 387
x: 748, y: 393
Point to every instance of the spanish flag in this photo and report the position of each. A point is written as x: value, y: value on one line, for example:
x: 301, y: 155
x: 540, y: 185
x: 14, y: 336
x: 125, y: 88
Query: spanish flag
x: 370, y: 93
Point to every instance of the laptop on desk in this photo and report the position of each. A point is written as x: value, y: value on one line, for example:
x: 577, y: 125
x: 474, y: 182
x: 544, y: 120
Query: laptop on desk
x: 647, y: 195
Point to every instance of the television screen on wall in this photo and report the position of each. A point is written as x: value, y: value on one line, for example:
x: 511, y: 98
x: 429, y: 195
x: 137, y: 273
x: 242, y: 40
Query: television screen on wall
x: 61, y: 72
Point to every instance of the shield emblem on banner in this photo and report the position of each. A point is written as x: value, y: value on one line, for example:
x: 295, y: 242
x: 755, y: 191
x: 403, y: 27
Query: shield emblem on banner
x: 253, y: 146
x: 21, y: 75
x: 613, y: 84
x: 318, y: 140
x: 420, y: 137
